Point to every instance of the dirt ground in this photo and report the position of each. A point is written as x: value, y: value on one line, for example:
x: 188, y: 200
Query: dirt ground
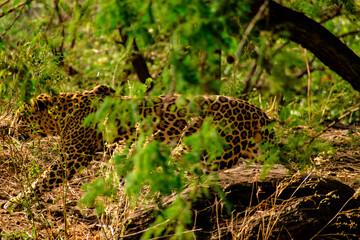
x: 58, y: 216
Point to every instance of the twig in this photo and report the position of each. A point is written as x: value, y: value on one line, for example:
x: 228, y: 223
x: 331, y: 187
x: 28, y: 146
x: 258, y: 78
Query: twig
x: 249, y: 28
x: 17, y: 17
x: 13, y: 22
x: 349, y: 33
x: 335, y: 12
x: 142, y: 231
x: 60, y: 51
x: 14, y: 8
x: 137, y: 60
x: 329, y: 126
x: 48, y: 26
x: 217, y: 218
x: 325, y: 129
x: 282, y: 206
x: 254, y: 67
x: 4, y: 3
x: 332, y: 219
x: 103, y: 229
x: 303, y: 182
x: 334, y: 122
x: 308, y: 84
x: 280, y: 47
x: 82, y: 13
x: 301, y: 73
x: 327, y: 101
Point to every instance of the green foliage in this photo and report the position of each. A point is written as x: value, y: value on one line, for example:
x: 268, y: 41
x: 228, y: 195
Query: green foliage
x: 297, y: 141
x: 100, y: 187
x: 151, y: 163
x: 172, y: 222
x: 153, y: 168
x: 198, y: 27
x: 17, y: 235
x: 207, y: 138
x: 80, y: 44
x: 152, y: 171
x: 32, y: 70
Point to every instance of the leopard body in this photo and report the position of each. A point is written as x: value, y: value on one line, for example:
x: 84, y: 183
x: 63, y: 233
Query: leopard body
x: 237, y: 121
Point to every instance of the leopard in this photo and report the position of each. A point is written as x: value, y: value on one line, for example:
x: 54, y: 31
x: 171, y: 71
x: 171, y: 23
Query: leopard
x: 240, y: 124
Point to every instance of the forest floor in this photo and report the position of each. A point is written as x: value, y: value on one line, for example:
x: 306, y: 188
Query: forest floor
x: 58, y: 215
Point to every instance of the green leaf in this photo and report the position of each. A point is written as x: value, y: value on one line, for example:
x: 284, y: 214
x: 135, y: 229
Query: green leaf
x: 284, y: 114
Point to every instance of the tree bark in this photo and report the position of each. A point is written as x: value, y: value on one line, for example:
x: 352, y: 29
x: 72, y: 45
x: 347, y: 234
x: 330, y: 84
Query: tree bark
x: 314, y: 37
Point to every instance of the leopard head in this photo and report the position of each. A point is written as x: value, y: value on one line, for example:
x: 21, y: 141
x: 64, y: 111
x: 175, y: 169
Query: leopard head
x: 44, y: 115
x: 34, y: 118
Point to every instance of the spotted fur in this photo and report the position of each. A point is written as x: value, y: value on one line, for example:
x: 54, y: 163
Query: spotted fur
x: 237, y: 121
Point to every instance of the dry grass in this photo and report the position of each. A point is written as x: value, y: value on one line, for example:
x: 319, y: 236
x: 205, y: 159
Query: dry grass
x: 58, y: 216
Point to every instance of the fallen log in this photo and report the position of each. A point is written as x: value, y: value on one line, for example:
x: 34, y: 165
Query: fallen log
x: 276, y: 207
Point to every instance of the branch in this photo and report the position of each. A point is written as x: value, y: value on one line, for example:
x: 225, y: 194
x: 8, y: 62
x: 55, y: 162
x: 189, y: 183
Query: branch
x: 257, y: 17
x: 84, y: 8
x: 60, y: 51
x: 314, y: 37
x: 14, y: 8
x: 4, y: 3
x: 302, y: 72
x: 250, y: 76
x: 13, y: 22
x: 332, y: 14
x: 277, y: 50
x: 333, y: 123
x: 349, y: 33
x: 137, y: 60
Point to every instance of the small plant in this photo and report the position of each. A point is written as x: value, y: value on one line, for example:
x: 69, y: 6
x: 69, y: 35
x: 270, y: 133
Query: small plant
x: 151, y: 171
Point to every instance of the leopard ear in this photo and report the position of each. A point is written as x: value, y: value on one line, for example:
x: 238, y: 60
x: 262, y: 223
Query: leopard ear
x: 42, y: 102
x: 103, y: 90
